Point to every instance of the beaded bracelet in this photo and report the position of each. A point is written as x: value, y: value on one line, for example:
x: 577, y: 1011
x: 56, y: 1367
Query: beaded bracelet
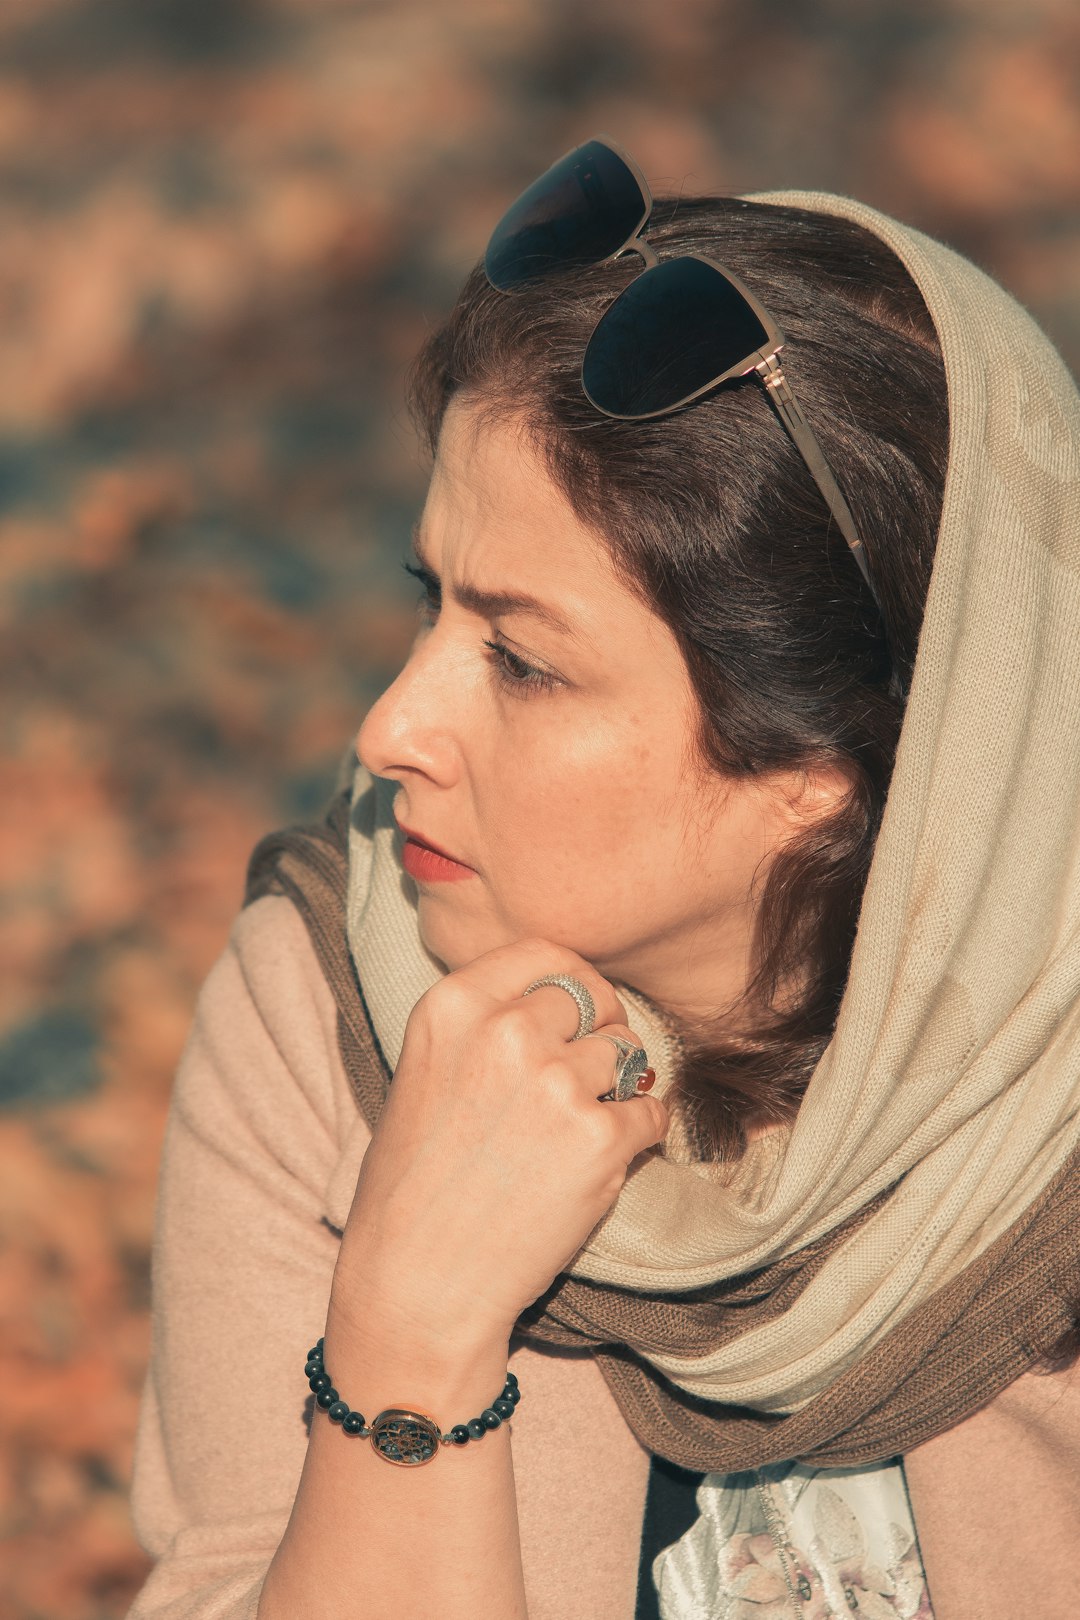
x: 398, y: 1434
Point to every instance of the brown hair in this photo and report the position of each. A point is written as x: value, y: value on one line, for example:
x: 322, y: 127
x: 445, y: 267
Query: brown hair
x: 711, y: 516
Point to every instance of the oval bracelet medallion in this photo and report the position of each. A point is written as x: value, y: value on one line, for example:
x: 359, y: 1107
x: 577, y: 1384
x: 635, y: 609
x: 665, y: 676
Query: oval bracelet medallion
x: 403, y: 1437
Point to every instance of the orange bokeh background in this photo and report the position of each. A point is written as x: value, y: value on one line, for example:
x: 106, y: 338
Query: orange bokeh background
x: 224, y: 227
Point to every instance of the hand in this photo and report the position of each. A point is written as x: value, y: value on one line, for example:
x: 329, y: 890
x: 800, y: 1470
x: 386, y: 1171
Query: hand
x: 493, y: 1159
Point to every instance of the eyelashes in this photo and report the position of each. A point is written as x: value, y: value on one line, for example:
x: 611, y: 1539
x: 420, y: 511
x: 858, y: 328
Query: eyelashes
x: 432, y: 597
x: 512, y: 672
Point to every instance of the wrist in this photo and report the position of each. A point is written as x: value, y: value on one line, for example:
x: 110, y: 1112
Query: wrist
x: 386, y: 1354
x: 416, y: 1325
x: 461, y: 1387
x: 406, y: 1433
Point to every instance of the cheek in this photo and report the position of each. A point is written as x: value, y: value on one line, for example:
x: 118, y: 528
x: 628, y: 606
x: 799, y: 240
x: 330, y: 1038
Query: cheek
x: 593, y: 813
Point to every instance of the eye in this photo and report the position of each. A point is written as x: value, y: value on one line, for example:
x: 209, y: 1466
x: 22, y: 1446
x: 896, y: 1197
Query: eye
x: 515, y: 675
x: 431, y: 600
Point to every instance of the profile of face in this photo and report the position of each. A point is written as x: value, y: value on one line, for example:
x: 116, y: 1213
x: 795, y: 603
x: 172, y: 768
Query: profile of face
x: 542, y: 733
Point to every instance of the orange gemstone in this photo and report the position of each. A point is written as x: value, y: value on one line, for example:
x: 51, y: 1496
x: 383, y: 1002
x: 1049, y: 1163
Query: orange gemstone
x: 647, y: 1080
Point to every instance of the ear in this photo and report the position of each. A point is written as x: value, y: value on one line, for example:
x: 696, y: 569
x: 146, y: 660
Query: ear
x: 810, y: 794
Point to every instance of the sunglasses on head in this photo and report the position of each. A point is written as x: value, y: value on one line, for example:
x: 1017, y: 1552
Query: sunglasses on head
x: 679, y: 329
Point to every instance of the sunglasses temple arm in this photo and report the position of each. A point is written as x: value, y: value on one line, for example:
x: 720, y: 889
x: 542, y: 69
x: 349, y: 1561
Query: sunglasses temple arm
x: 789, y: 412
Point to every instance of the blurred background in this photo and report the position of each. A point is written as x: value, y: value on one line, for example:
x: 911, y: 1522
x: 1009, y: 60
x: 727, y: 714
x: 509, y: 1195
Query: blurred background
x: 225, y: 225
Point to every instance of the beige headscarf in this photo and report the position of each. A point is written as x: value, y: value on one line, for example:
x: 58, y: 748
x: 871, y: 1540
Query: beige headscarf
x: 954, y: 1071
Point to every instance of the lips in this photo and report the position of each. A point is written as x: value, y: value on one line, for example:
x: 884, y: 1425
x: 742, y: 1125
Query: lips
x: 427, y: 864
x: 426, y: 843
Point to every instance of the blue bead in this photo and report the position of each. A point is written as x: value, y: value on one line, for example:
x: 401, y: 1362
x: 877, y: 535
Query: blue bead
x: 338, y: 1412
x: 313, y: 1368
x: 511, y: 1378
x: 315, y: 1353
x: 318, y: 1382
x: 504, y: 1408
x: 477, y: 1428
x: 459, y: 1434
x: 490, y: 1418
x: 512, y: 1394
x: 327, y: 1397
x: 353, y: 1423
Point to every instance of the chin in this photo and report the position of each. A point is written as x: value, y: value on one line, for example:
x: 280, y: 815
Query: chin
x: 455, y: 941
x: 451, y: 942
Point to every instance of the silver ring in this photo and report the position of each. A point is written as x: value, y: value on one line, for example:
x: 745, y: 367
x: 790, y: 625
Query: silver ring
x: 585, y: 1005
x: 632, y: 1064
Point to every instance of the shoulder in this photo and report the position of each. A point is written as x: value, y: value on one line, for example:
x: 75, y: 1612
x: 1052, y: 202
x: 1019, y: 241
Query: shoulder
x: 1033, y: 1423
x: 995, y: 1498
x: 263, y: 1049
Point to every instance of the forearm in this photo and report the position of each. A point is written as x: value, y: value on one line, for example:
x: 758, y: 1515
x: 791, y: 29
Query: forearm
x: 488, y: 1129
x: 371, y: 1541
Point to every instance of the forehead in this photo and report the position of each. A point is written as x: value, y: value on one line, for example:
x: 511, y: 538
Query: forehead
x: 496, y: 526
x: 493, y: 504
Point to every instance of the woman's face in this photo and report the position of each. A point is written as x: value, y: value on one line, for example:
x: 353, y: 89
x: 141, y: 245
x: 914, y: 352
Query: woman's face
x: 541, y: 733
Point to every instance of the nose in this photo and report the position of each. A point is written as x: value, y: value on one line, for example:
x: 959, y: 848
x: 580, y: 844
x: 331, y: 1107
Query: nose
x: 409, y: 728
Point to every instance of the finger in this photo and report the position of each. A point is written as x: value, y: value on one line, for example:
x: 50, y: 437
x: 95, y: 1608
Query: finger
x: 508, y: 970
x: 595, y: 1059
x: 642, y: 1123
x: 623, y: 1031
x: 556, y: 1012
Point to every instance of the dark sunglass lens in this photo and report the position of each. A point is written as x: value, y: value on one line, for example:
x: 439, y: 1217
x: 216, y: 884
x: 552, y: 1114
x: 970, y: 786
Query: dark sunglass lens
x: 679, y: 327
x: 586, y: 207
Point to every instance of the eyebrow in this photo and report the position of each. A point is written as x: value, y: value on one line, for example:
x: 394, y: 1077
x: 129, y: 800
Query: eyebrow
x: 494, y: 604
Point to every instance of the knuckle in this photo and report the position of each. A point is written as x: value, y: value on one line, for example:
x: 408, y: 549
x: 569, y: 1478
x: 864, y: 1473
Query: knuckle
x: 602, y: 1131
x: 450, y: 998
x: 511, y: 1033
x: 557, y: 1078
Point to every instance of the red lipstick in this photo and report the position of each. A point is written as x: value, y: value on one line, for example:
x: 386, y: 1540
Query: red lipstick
x: 427, y: 864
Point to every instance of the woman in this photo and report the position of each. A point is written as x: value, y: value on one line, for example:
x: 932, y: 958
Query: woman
x: 781, y: 1323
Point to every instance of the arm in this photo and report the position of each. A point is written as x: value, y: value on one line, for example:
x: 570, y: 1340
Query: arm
x: 442, y: 1539
x: 242, y: 1272
x: 226, y: 1483
x: 492, y: 1162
